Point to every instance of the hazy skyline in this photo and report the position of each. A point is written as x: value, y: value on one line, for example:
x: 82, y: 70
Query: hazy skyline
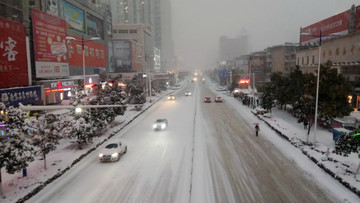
x: 198, y: 24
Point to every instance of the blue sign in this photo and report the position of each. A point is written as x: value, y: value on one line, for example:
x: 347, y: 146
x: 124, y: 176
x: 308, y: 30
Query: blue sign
x: 223, y: 74
x: 24, y: 95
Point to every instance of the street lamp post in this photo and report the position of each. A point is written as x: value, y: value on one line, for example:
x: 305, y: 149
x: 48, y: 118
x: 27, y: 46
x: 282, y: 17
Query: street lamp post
x: 318, y: 78
x: 83, y: 51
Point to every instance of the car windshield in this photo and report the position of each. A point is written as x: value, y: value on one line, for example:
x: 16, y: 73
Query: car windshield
x: 160, y: 120
x: 110, y: 146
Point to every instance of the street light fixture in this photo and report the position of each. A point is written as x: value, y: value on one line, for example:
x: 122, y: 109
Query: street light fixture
x: 318, y: 78
x: 148, y: 76
x: 69, y: 38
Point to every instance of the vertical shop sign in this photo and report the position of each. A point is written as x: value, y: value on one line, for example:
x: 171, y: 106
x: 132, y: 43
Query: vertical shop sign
x: 13, y: 66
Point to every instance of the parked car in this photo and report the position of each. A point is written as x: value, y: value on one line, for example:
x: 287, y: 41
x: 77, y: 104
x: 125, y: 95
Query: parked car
x: 218, y: 99
x: 171, y: 97
x: 188, y: 93
x: 112, y: 152
x: 207, y: 100
x: 160, y: 124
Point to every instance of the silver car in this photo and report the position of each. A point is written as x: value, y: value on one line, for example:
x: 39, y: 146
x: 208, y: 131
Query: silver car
x: 160, y: 124
x: 112, y: 152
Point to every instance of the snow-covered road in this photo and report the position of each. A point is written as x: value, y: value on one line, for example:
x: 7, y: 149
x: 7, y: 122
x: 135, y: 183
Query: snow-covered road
x: 208, y: 153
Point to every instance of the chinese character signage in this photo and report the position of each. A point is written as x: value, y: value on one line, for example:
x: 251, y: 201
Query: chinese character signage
x: 49, y: 32
x: 95, y: 53
x: 25, y: 95
x: 13, y: 62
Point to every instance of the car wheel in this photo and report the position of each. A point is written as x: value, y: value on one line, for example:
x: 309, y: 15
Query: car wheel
x: 125, y: 150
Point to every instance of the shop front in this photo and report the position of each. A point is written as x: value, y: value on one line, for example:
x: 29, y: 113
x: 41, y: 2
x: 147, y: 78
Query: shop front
x: 58, y: 90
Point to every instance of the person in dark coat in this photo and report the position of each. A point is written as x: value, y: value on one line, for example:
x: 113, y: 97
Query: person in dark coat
x: 257, y: 129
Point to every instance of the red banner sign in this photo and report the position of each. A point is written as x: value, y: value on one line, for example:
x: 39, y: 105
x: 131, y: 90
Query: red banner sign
x: 50, y: 46
x: 95, y: 53
x: 13, y: 63
x: 336, y: 24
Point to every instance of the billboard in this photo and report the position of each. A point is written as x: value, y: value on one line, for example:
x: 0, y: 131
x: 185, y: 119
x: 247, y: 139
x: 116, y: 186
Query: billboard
x: 13, y: 66
x: 49, y: 34
x: 336, y: 24
x: 24, y: 95
x: 74, y: 16
x: 94, y: 26
x: 95, y: 53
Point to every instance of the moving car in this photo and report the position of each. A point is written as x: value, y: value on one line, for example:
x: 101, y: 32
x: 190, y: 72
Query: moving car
x: 171, y: 97
x: 207, y: 100
x: 218, y: 99
x: 188, y: 93
x: 160, y: 124
x: 112, y: 152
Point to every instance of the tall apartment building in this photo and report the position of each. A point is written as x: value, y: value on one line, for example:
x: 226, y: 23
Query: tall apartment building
x: 161, y: 21
x: 131, y: 11
x: 230, y: 48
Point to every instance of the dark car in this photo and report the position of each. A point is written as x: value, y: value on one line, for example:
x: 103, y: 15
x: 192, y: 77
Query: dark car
x: 218, y: 99
x: 207, y: 100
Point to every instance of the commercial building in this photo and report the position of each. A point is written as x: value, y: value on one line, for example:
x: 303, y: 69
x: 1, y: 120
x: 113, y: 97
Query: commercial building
x: 230, y: 48
x: 340, y: 47
x: 281, y: 58
x: 50, y: 57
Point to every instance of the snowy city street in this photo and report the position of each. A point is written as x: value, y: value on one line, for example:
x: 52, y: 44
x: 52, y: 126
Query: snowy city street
x: 229, y: 163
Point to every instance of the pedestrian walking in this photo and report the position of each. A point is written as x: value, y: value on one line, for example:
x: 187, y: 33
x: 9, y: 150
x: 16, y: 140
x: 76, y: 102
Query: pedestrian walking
x: 305, y: 124
x: 257, y: 129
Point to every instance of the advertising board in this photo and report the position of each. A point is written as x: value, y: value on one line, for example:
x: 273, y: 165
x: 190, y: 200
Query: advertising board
x: 13, y: 66
x: 94, y: 26
x: 95, y: 53
x: 24, y: 95
x: 335, y: 24
x: 49, y: 34
x: 74, y: 16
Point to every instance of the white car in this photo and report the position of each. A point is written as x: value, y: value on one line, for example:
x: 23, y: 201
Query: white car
x: 187, y: 93
x: 160, y: 124
x: 112, y: 152
x: 171, y: 97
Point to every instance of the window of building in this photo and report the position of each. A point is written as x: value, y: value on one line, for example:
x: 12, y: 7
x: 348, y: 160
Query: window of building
x: 114, y: 31
x: 337, y: 51
x: 330, y: 52
x: 133, y: 31
x: 302, y: 60
x: 344, y: 51
x: 123, y: 31
x: 307, y: 60
x: 313, y: 59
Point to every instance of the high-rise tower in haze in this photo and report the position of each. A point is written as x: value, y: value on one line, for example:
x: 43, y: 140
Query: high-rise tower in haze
x: 231, y: 48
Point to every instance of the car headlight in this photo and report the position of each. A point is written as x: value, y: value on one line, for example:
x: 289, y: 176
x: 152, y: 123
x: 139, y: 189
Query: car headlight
x: 101, y: 155
x: 163, y: 126
x: 114, y: 155
x: 169, y: 97
x: 154, y: 126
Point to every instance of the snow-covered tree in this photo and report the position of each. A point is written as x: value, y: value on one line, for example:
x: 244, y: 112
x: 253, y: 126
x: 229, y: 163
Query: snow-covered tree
x: 15, y: 151
x: 45, y: 132
x: 268, y: 99
x: 348, y: 144
x: 135, y: 89
x: 81, y: 128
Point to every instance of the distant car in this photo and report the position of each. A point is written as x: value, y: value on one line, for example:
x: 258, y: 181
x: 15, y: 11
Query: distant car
x: 160, y: 124
x: 187, y: 93
x: 171, y: 97
x: 218, y: 99
x: 207, y: 100
x: 112, y: 152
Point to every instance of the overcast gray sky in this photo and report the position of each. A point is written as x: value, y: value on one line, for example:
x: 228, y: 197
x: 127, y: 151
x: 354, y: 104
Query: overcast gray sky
x: 198, y: 24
